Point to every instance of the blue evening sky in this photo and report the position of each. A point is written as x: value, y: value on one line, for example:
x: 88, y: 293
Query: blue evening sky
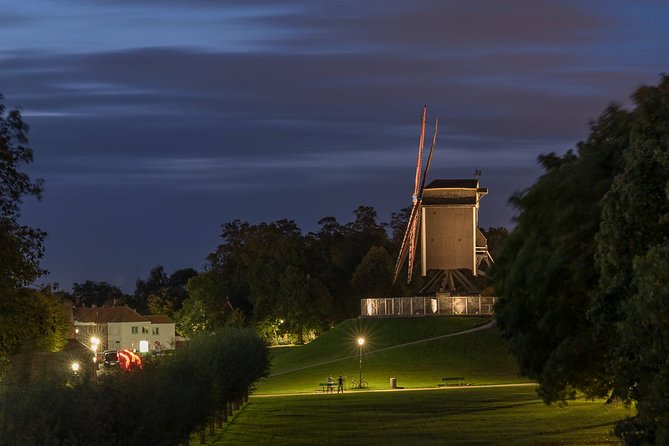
x: 153, y: 122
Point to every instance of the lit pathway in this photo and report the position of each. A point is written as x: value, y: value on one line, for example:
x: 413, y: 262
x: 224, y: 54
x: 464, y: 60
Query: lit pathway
x: 413, y: 389
x: 421, y: 341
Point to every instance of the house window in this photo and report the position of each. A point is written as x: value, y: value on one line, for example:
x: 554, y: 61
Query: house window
x: 135, y: 330
x: 145, y: 330
x: 156, y: 330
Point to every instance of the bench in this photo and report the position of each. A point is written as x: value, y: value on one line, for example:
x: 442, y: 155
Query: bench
x: 452, y: 381
x: 325, y: 387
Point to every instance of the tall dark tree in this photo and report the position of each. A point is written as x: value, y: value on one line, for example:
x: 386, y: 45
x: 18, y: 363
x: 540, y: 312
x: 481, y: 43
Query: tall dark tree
x: 545, y: 273
x: 583, y: 277
x: 20, y: 246
x: 631, y: 312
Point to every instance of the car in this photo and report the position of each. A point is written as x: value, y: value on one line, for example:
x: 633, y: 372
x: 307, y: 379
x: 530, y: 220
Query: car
x: 110, y: 358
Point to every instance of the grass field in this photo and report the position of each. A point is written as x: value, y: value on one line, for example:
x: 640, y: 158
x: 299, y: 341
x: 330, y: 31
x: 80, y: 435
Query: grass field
x: 481, y: 357
x: 454, y: 416
x: 286, y: 410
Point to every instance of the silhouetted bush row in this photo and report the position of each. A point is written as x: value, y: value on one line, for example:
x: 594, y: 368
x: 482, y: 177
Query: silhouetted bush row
x: 159, y: 405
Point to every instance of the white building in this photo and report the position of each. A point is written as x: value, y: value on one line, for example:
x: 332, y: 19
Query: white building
x: 119, y: 328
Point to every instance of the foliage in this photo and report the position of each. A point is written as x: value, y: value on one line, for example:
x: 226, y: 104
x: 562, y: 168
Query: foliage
x: 583, y: 275
x: 271, y: 271
x: 545, y: 272
x: 303, y: 302
x: 20, y: 246
x: 630, y: 312
x: 28, y: 319
x: 159, y: 405
x: 31, y: 320
x: 160, y: 293
x: 373, y: 276
x: 92, y: 293
x: 496, y: 238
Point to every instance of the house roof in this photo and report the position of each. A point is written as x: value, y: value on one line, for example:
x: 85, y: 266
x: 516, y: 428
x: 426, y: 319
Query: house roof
x: 101, y: 315
x: 159, y: 319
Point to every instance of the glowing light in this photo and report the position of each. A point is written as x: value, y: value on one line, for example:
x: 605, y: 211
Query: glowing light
x: 127, y: 360
x: 361, y: 341
x: 75, y: 367
x: 144, y: 346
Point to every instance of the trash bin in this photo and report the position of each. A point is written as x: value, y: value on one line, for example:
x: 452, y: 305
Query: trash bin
x: 393, y: 383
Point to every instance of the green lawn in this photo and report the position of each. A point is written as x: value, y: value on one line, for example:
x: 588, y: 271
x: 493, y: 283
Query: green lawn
x: 453, y: 416
x: 481, y: 357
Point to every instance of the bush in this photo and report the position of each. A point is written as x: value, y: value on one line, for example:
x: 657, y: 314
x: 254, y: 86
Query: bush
x: 159, y: 405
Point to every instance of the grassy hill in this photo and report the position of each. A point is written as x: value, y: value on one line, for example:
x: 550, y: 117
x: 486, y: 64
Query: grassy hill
x: 395, y: 348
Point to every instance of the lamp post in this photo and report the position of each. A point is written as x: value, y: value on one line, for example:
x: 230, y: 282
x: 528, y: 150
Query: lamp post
x: 361, y: 342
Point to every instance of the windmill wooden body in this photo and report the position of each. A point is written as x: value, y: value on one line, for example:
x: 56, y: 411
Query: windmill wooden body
x: 451, y: 242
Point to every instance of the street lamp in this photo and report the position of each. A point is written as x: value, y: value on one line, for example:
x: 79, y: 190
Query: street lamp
x: 75, y: 367
x: 361, y: 342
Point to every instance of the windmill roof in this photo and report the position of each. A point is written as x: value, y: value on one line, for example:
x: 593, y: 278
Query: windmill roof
x: 465, y: 192
x: 453, y: 184
x: 100, y: 315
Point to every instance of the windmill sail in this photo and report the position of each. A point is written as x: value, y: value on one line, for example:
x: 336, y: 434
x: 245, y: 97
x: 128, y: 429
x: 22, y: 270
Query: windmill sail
x: 410, y: 238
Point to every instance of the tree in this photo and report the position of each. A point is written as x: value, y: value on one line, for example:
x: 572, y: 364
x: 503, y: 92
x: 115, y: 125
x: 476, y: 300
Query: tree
x: 630, y: 311
x: 99, y: 294
x: 207, y: 307
x: 599, y: 327
x: 374, y: 274
x: 303, y: 302
x: 545, y: 273
x: 496, y: 237
x: 144, y: 288
x: 160, y: 293
x: 20, y: 246
x: 339, y: 249
x: 31, y: 320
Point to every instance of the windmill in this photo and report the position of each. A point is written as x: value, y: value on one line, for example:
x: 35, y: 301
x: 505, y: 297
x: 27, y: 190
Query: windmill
x: 450, y: 238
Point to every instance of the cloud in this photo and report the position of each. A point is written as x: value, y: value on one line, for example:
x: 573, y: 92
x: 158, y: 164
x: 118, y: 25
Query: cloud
x: 158, y: 120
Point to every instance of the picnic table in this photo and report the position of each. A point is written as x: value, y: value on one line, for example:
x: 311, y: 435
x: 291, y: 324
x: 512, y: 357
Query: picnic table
x: 326, y: 387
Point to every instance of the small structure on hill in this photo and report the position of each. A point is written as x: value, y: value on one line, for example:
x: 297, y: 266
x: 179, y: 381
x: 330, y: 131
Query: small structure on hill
x: 452, y: 248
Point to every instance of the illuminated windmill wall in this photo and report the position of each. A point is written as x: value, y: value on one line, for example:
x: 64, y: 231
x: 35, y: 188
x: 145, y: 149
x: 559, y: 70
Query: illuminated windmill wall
x: 450, y: 238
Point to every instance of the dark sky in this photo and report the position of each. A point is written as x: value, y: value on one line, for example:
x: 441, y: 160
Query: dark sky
x: 153, y: 122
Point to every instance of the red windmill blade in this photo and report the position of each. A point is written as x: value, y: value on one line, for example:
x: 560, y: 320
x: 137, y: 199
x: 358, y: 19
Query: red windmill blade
x: 411, y: 235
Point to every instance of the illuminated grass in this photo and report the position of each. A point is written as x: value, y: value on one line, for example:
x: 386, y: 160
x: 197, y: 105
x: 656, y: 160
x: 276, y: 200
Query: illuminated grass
x: 481, y: 357
x: 464, y: 416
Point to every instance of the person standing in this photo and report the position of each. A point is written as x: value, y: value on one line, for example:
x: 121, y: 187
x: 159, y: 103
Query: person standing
x: 340, y: 386
x: 330, y: 384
